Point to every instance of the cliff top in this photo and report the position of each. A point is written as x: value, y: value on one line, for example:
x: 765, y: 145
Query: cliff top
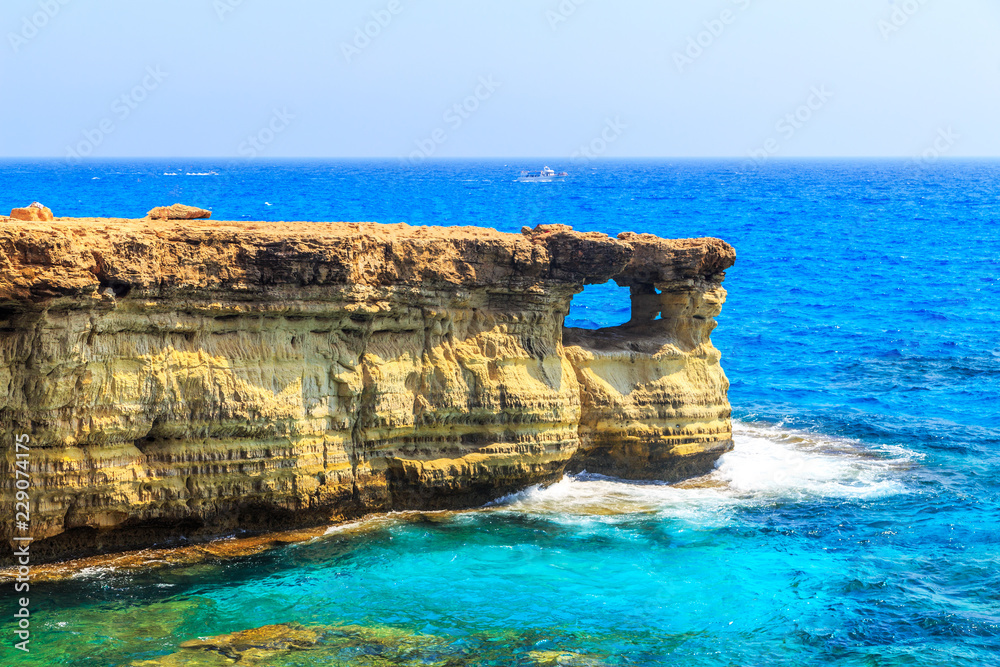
x: 66, y: 257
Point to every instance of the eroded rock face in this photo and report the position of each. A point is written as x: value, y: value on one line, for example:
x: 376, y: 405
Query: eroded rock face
x: 180, y: 379
x: 654, y: 395
x: 178, y: 212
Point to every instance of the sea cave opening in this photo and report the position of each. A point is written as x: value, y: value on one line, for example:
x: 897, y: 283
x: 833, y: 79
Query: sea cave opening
x: 600, y: 306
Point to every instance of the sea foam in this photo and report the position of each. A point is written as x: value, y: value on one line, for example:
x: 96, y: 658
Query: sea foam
x: 769, y: 464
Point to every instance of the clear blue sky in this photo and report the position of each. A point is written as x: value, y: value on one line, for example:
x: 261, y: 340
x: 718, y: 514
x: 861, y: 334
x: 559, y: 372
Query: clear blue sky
x: 902, y: 76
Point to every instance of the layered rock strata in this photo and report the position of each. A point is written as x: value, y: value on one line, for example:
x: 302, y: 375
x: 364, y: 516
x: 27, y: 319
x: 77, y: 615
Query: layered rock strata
x: 182, y: 380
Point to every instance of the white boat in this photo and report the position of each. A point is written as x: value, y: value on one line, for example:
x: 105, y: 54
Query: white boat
x: 546, y: 175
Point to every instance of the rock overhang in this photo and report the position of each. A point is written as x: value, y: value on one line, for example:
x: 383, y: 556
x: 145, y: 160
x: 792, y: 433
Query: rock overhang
x: 72, y: 257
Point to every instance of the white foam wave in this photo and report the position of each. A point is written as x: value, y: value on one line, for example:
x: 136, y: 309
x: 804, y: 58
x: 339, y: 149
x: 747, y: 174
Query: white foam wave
x: 785, y: 464
x: 596, y: 499
x: 769, y: 464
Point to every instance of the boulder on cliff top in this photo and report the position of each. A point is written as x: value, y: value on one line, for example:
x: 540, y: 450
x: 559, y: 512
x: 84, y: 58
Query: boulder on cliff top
x: 178, y: 212
x: 33, y: 213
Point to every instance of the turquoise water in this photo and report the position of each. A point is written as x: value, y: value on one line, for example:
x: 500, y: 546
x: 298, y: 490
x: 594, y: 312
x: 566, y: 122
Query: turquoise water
x: 855, y: 523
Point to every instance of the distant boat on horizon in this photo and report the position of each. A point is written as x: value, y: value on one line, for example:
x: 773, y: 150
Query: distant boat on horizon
x: 546, y: 175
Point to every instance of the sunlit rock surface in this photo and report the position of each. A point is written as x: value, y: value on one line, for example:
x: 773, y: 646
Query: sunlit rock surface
x: 178, y: 212
x: 34, y: 212
x: 653, y: 393
x: 181, y: 380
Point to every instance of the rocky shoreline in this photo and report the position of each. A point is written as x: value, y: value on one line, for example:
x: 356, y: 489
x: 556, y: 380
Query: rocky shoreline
x: 183, y: 380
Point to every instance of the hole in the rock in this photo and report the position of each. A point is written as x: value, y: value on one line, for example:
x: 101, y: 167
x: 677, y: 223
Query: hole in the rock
x: 646, y: 304
x: 600, y: 306
x: 118, y: 288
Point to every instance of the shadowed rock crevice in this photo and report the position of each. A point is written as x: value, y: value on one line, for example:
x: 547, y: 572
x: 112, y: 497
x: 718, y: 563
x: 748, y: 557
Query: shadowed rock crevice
x: 262, y: 376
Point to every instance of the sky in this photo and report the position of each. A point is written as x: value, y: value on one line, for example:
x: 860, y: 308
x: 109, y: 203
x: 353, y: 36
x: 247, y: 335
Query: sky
x: 499, y: 78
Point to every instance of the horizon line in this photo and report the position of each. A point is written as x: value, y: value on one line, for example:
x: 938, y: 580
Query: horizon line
x: 774, y: 158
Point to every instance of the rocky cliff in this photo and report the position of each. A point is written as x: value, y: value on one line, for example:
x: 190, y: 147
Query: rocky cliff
x: 179, y: 380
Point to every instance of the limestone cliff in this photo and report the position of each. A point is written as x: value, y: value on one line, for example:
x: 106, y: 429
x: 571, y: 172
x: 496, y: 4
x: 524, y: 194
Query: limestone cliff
x: 185, y: 379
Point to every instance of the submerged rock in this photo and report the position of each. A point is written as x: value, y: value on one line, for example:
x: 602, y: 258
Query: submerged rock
x: 178, y: 212
x: 292, y: 644
x: 267, y: 638
x: 266, y: 376
x: 564, y: 659
x: 295, y: 644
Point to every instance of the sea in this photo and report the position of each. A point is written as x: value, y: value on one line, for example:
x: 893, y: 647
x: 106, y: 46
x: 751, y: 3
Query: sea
x: 856, y: 522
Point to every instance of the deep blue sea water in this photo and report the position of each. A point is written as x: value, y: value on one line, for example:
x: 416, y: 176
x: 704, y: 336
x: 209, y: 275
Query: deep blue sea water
x: 857, y: 522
